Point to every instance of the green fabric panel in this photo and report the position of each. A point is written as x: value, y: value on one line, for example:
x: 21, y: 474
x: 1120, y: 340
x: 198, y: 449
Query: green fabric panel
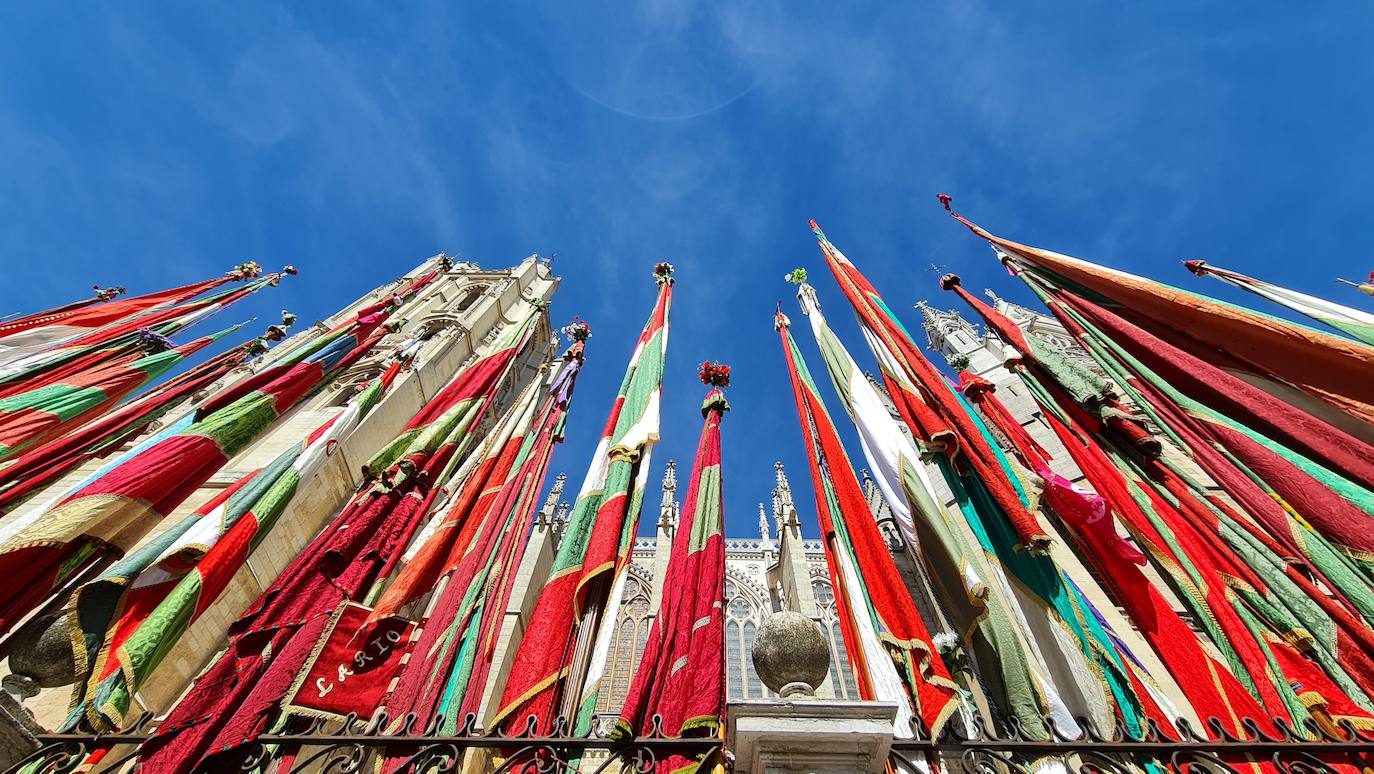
x: 149, y: 645
x: 235, y: 426
x: 706, y: 520
x: 1085, y: 387
x: 1015, y: 690
x: 61, y: 400
x: 393, y: 451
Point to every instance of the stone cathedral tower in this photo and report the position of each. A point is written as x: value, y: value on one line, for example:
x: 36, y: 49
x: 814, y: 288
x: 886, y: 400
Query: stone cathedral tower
x: 456, y: 315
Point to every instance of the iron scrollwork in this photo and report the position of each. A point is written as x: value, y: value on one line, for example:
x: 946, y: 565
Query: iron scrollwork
x: 349, y: 747
x: 1215, y: 749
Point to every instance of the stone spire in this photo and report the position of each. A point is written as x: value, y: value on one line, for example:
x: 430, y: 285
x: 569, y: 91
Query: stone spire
x: 784, y: 512
x: 546, y: 514
x: 667, y: 511
x: 765, y: 533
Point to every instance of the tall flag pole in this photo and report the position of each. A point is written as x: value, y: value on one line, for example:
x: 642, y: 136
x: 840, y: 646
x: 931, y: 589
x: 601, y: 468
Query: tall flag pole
x: 43, y: 414
x: 1207, y: 677
x: 1240, y: 605
x: 1356, y: 323
x: 36, y: 333
x: 1310, y: 484
x: 1366, y: 288
x: 1089, y: 670
x: 558, y: 665
x: 127, y: 621
x: 985, y: 612
x: 236, y: 697
x: 45, y: 463
x: 1247, y: 571
x: 895, y: 650
x: 1327, y: 368
x: 121, y: 337
x: 927, y: 403
x: 109, y: 513
x: 681, y: 676
x: 449, y: 665
x: 23, y: 322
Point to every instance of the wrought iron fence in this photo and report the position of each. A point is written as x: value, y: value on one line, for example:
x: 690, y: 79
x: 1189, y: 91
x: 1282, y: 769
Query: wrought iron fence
x: 1333, y: 748
x: 351, y: 746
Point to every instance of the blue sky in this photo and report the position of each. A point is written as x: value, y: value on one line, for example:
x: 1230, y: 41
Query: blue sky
x: 148, y: 149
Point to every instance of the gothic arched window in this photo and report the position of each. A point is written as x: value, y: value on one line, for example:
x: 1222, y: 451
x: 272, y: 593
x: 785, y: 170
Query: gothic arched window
x: 631, y: 633
x: 841, y: 674
x: 744, y: 613
x: 469, y: 298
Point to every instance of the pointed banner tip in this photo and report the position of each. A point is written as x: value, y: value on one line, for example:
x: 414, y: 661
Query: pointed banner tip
x: 816, y: 229
x: 1197, y: 267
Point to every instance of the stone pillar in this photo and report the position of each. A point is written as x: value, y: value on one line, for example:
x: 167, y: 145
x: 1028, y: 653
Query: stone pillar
x: 800, y: 732
x: 794, y: 571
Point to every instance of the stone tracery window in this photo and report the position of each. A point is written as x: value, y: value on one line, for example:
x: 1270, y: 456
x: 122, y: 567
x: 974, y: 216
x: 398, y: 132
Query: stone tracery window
x: 841, y: 674
x: 744, y: 613
x: 631, y: 633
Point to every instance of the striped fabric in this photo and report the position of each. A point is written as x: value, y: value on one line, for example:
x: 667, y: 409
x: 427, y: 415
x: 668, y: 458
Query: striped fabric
x: 45, y: 463
x: 1353, y: 322
x: 885, y: 636
x: 681, y: 674
x: 588, y: 570
x: 238, y: 695
x: 37, y: 332
x: 984, y: 613
x: 134, y: 614
x: 39, y: 415
x: 1324, y: 367
x: 110, y: 513
x: 479, y: 549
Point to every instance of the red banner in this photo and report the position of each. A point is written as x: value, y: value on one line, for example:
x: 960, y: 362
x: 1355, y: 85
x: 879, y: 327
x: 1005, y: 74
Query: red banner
x: 351, y: 667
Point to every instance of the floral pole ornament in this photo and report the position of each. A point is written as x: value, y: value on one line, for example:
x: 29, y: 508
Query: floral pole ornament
x: 663, y: 273
x: 796, y: 276
x: 577, y: 330
x: 714, y: 374
x: 288, y: 318
x: 245, y: 270
x: 290, y: 270
x: 105, y: 294
x: 154, y: 341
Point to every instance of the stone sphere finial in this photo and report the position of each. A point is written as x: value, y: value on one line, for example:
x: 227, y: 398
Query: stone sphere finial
x: 791, y: 655
x: 42, y: 652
